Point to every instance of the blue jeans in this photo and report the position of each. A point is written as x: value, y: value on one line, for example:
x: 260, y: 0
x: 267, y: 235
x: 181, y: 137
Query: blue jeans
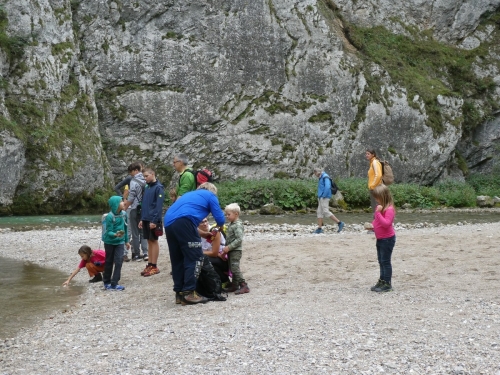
x: 184, y: 247
x: 384, y: 253
x: 114, y: 256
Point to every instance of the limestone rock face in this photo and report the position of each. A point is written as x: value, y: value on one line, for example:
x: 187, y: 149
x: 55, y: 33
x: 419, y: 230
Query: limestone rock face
x: 12, y: 162
x: 250, y: 89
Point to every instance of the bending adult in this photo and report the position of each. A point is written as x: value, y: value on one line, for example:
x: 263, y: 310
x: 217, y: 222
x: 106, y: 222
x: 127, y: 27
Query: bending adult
x: 374, y: 175
x: 184, y: 242
x: 212, y: 244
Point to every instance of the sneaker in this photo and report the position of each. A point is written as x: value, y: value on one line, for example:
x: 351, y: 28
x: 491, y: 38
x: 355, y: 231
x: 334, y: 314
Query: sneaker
x: 107, y: 286
x: 318, y: 231
x: 341, y: 226
x: 145, y: 258
x: 378, y: 284
x: 385, y: 287
x: 97, y: 277
x: 117, y: 287
x: 243, y: 289
x: 146, y: 270
x: 178, y: 298
x: 152, y: 271
x: 126, y: 258
x: 191, y: 298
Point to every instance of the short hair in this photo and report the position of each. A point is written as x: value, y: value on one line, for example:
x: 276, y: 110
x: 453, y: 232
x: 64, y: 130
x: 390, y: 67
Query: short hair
x: 85, y: 250
x: 372, y: 151
x: 183, y: 158
x: 148, y: 170
x: 208, y: 186
x: 135, y: 166
x: 233, y: 207
x: 318, y: 170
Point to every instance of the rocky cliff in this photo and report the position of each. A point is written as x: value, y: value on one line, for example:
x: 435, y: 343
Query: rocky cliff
x: 256, y: 88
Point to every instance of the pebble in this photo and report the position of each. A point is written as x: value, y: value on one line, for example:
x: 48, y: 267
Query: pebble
x: 299, y: 321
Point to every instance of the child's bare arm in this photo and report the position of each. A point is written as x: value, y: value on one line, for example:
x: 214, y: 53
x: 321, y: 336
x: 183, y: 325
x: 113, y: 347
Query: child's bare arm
x: 77, y: 269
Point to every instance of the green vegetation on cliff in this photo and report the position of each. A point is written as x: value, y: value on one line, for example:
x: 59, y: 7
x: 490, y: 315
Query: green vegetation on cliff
x: 427, y: 68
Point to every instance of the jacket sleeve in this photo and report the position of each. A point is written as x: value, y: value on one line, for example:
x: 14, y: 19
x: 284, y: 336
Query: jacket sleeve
x: 377, y: 174
x: 385, y: 220
x: 122, y: 183
x: 216, y: 211
x: 158, y: 207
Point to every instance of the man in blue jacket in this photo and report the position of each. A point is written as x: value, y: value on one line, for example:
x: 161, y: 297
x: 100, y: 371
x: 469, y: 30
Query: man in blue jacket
x: 184, y: 242
x: 324, y: 195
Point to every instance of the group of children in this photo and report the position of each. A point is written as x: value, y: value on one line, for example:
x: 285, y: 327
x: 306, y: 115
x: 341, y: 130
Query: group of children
x: 109, y: 262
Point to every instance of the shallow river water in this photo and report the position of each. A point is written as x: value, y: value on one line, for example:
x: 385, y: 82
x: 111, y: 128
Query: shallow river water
x: 28, y: 291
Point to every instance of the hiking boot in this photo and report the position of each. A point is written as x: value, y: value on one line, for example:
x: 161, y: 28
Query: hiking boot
x: 378, y: 284
x: 318, y: 231
x: 178, y: 298
x: 191, y: 298
x: 126, y: 258
x: 146, y: 270
x: 152, y: 271
x: 243, y: 289
x: 385, y: 287
x: 97, y: 277
x: 341, y: 226
x: 231, y: 287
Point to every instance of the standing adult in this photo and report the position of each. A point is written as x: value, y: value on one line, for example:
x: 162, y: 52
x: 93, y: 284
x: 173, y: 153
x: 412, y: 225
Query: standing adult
x: 133, y: 205
x: 374, y: 175
x: 184, y: 242
x: 186, y: 177
x: 324, y: 195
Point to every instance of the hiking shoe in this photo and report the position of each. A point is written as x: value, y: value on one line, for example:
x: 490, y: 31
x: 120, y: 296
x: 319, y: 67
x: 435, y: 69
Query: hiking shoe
x: 97, y: 277
x: 152, y: 271
x: 117, y: 288
x: 318, y: 231
x: 145, y: 258
x: 231, y: 287
x: 145, y: 270
x: 191, y: 298
x: 378, y: 284
x: 126, y: 258
x: 243, y: 289
x: 341, y: 226
x: 385, y: 287
x: 178, y: 298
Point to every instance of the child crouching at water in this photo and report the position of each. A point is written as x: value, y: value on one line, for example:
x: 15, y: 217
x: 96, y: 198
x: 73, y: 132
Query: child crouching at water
x: 385, y: 234
x: 93, y: 261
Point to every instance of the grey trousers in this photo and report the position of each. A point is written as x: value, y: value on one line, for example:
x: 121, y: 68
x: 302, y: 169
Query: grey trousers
x: 136, y: 238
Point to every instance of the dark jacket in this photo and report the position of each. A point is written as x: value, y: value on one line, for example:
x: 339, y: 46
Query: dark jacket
x: 152, y: 203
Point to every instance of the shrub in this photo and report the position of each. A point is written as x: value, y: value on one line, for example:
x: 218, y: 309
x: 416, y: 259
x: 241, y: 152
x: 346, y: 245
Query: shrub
x: 485, y: 184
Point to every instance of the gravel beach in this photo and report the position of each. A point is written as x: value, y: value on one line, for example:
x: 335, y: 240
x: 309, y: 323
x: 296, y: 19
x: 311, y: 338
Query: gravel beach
x: 310, y: 309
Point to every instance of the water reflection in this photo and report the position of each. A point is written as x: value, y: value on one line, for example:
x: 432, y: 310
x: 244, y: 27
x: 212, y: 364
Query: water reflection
x: 29, y: 292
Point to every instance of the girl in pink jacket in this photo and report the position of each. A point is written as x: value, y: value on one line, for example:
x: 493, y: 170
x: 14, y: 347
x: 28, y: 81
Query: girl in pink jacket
x: 385, y: 234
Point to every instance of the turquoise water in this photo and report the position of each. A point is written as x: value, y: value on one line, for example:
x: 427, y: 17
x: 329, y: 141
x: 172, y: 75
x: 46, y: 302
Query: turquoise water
x: 29, y: 292
x: 450, y: 217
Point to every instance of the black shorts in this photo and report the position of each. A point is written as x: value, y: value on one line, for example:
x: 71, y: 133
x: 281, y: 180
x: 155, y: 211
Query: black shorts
x: 151, y: 234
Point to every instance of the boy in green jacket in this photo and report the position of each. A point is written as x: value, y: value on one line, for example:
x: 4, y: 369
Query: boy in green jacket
x: 115, y: 239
